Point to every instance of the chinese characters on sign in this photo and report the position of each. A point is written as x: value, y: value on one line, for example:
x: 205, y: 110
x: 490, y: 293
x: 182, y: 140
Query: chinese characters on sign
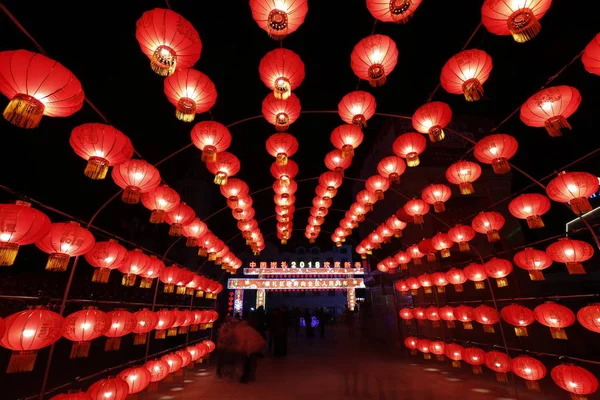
x: 305, y: 264
x: 305, y: 271
x: 296, y: 284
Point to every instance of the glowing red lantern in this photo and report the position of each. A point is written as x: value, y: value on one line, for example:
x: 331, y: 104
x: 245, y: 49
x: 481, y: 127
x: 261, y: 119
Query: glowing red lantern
x: 436, y: 195
x: 530, y: 369
x: 488, y: 222
x: 391, y: 168
x: 398, y: 11
x: 134, y: 264
x: 82, y: 327
x: 415, y: 254
x: 284, y: 173
x: 28, y: 331
x: 521, y: 20
x: 414, y: 285
x: 425, y: 246
x: 442, y: 243
x: 466, y: 72
x: 550, y: 108
x: 406, y: 314
x: 377, y: 184
x: 591, y: 56
x: 573, y: 188
x: 403, y: 288
x: 402, y: 259
x: 146, y: 321
x: 425, y: 282
x: 455, y: 353
x: 423, y: 347
x: 331, y: 180
x: 534, y: 261
x: 357, y: 108
x: 335, y: 162
x: 416, y: 208
x: 432, y: 118
x: 120, y: 323
x: 282, y: 71
x: 174, y: 361
x: 519, y: 317
x: 63, y: 241
x: 462, y: 235
x: 409, y: 146
x: 193, y: 230
x: 418, y: 312
x: 556, y: 317
x: 498, y: 268
x: 154, y: 269
x: 279, y: 112
x: 456, y: 277
x: 178, y: 217
x: 466, y: 315
x: 346, y: 138
x: 432, y: 313
x: 281, y: 146
x: 19, y: 225
x: 279, y: 18
x: 463, y: 174
x: 135, y: 177
x: 576, y: 380
x: 160, y: 200
x: 572, y: 253
x: 486, y: 316
x: 411, y: 344
x: 437, y: 347
x: 37, y: 85
x: 137, y: 378
x: 225, y: 166
x: 211, y: 138
x: 111, y: 388
x: 476, y: 273
x: 439, y: 280
x: 589, y: 317
x: 496, y: 150
x: 447, y: 314
x: 185, y: 356
x: 499, y: 363
x: 233, y: 189
x: 102, y: 146
x: 367, y: 199
x: 191, y: 92
x: 531, y: 207
x: 158, y: 369
x: 474, y: 357
x: 395, y: 225
x: 374, y: 58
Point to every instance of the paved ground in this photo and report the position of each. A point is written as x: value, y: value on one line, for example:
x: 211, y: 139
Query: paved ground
x: 338, y: 367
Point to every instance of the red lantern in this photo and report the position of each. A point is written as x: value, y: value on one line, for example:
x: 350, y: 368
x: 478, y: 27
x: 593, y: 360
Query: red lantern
x: 437, y: 347
x: 499, y: 269
x: 178, y: 217
x: 37, y: 85
x: 447, y: 314
x: 415, y: 254
x: 530, y: 369
x: 455, y: 353
x: 489, y: 222
x: 411, y: 344
x: 160, y: 200
x: 108, y: 389
x: 168, y: 40
x: 135, y: 177
x: 475, y: 357
x: 185, y: 356
x: 120, y: 323
x: 456, y: 277
x: 414, y: 285
x: 465, y: 314
x: 425, y: 282
x: 589, y: 317
x: 406, y: 314
x: 432, y: 313
x: 282, y: 71
x: 518, y: 316
x: 234, y: 189
x: 391, y: 168
x: 174, y: 361
x: 573, y: 188
x: 357, y: 108
x: 550, y: 108
x: 377, y: 184
x: 134, y: 264
x: 158, y: 369
x: 439, y: 280
x: 486, y: 316
x: 499, y: 363
x: 225, y: 166
x: 476, y: 273
x: 591, y: 56
x: 418, y: 312
x: 462, y: 235
x: 463, y: 174
x: 466, y: 72
x: 436, y: 195
x: 279, y: 18
x: 146, y: 321
x: 191, y: 92
x: 63, y: 241
x: 534, y: 261
x: 211, y: 138
x: 442, y: 243
x: 382, y: 268
x: 284, y: 173
x: 521, y: 20
x: 395, y: 225
x: 193, y: 231
x: 281, y: 113
x: 575, y: 380
x: 409, y: 146
x: 28, y: 331
x: 335, y: 162
x: 82, y: 327
x: 347, y: 138
x: 402, y: 259
x: 427, y: 248
x: 398, y: 11
x: 374, y: 58
x: 496, y: 150
x: 403, y: 288
x: 102, y: 146
x: 417, y: 209
x: 367, y: 199
x: 531, y: 207
x: 72, y: 395
x: 432, y: 118
x: 154, y: 269
x: 137, y: 378
x: 331, y: 180
x: 19, y: 225
x: 423, y: 347
x: 572, y: 253
x: 556, y: 317
x: 281, y: 146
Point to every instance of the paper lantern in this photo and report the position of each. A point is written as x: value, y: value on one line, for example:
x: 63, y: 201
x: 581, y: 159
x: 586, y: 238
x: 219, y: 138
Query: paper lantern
x: 427, y: 248
x: 377, y: 184
x: 425, y: 282
x: 146, y: 321
x: 28, y: 331
x: 211, y: 138
x: 423, y: 347
x: 395, y: 225
x: 160, y: 200
x: 391, y: 168
x: 415, y: 254
x: 474, y: 357
x: 418, y: 312
x: 120, y: 323
x: 226, y: 165
x: 170, y: 276
x: 335, y: 162
x: 35, y: 86
x: 178, y: 217
x: 439, y: 280
x: 533, y: 261
x: 496, y: 150
x: 465, y: 314
x: 403, y: 288
x: 102, y: 146
x: 185, y: 356
x: 135, y: 177
x: 409, y: 146
x: 168, y: 40
x: 158, y: 369
x: 476, y: 273
x: 432, y: 313
x: 137, y: 378
x: 463, y: 174
x: 589, y: 317
x: 519, y: 317
x: 402, y: 259
x: 550, y: 108
x: 234, y: 189
x: 432, y: 118
x: 19, y: 225
x: 111, y: 388
x: 466, y: 72
x: 486, y: 316
x: 572, y: 253
x: 530, y: 369
x: 416, y: 208
x: 282, y: 71
x: 281, y: 113
x: 284, y: 173
x: 346, y: 138
x: 447, y: 314
x: 498, y: 268
x: 174, y: 361
x: 519, y: 19
x: 489, y: 223
x: 411, y: 344
x: 63, y: 241
x: 414, y: 285
x: 499, y: 363
x: 591, y: 56
x: 154, y: 269
x: 437, y: 347
x: 281, y: 146
x: 456, y: 277
x: 366, y: 199
x: 531, y: 207
x: 573, y: 188
x: 442, y: 243
x: 134, y: 264
x: 374, y: 58
x: 576, y: 380
x: 436, y: 195
x: 357, y: 108
x: 331, y: 180
x: 406, y: 314
x: 461, y: 234
x: 82, y: 327
x: 556, y: 317
x: 398, y: 11
x: 279, y: 18
x: 191, y: 92
x: 455, y: 353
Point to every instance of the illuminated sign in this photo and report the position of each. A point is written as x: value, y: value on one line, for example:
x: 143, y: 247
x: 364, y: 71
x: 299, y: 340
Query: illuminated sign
x: 305, y: 271
x: 296, y: 284
x: 305, y: 264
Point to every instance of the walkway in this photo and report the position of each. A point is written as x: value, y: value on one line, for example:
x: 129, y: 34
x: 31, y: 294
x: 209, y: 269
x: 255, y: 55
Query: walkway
x: 338, y: 367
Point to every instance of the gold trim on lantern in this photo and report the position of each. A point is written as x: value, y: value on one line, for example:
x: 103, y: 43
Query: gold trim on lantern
x: 464, y: 246
x: 466, y: 188
x: 489, y: 328
x: 146, y: 283
x: 101, y: 275
x: 521, y: 331
x: 536, y: 275
x: 186, y: 109
x: 131, y: 195
x: 468, y: 325
x: 21, y: 361
x: 220, y: 178
x: 191, y: 242
x: 376, y: 73
x: 282, y: 88
x: 500, y: 165
x: 163, y: 61
x: 445, y: 253
x: 580, y: 205
x: 281, y: 159
x: 456, y: 363
x: 359, y: 120
x: 450, y: 324
x: 139, y: 338
x: 347, y: 151
x: 176, y: 230
x: 501, y: 282
x: 128, y: 279
x: 472, y: 89
x: 558, y: 333
x: 480, y: 285
x: 436, y: 134
x: 169, y: 288
x: 8, y: 253
x: 277, y: 24
x: 535, y: 222
x: 439, y: 207
x: 96, y: 168
x: 412, y: 159
x: 24, y: 111
x: 57, y: 262
x: 523, y: 25
x: 493, y: 236
x: 417, y: 261
x: 180, y: 290
x: 282, y: 122
x: 431, y: 257
x: 441, y: 289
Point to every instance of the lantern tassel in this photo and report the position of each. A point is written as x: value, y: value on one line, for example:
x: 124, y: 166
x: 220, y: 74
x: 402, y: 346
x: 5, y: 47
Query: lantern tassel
x: 436, y: 134
x: 80, y: 349
x: 501, y: 282
x: 347, y: 151
x: 112, y: 344
x: 431, y: 257
x: 199, y: 293
x: 189, y: 291
x: 8, y: 253
x: 157, y: 216
x: 466, y: 188
x: 180, y: 290
x: 439, y: 207
x: 412, y: 159
x: 202, y: 252
x: 417, y: 261
x: 414, y: 292
x: 477, y: 370
x: 535, y: 222
x: 131, y: 195
x: 220, y: 178
x: 467, y: 325
x: 194, y: 328
x: 464, y: 246
x: 57, y: 262
x: 427, y: 289
x: 493, y: 235
x: 580, y: 205
x: 146, y: 283
x: 501, y: 377
x: 160, y: 334
x: 426, y: 356
x: 575, y: 268
x: 500, y: 166
x: 440, y: 357
x: 450, y: 324
x: 445, y: 253
x: 458, y: 288
x: 24, y: 111
x: 163, y: 61
x: 281, y: 159
x: 128, y: 279
x: 101, y: 275
x: 139, y: 338
x: 176, y: 230
x: 168, y: 288
x: 441, y: 289
x: 96, y: 168
x: 523, y: 25
x: 521, y: 331
x: 558, y: 333
x: 480, y: 285
x: 578, y: 397
x: 472, y: 89
x: 172, y: 331
x: 21, y: 361
x: 488, y: 328
x: 185, y: 110
x: 536, y: 275
x: 209, y: 154
x: 456, y: 363
x: 555, y: 124
x: 533, y: 386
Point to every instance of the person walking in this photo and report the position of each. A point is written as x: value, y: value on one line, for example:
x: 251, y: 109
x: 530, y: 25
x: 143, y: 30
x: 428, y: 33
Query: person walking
x: 225, y: 347
x: 250, y: 343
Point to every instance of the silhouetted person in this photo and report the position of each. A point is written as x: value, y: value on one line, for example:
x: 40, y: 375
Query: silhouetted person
x: 257, y: 320
x: 250, y: 343
x: 310, y: 332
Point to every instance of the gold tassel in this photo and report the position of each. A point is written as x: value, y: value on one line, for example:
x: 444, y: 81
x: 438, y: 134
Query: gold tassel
x: 180, y: 290
x: 24, y: 111
x: 220, y: 178
x: 523, y: 25
x: 493, y: 235
x: 96, y: 168
x: 157, y: 216
x: 189, y: 291
x: 450, y: 324
x: 281, y: 159
x: 185, y: 110
x: 533, y: 386
x: 21, y: 361
x: 414, y: 292
x: 8, y: 253
x: 440, y: 357
x: 57, y: 262
x: 168, y: 288
x: 535, y: 222
x: 202, y: 252
x: 501, y: 282
x: 131, y: 195
x: 175, y: 230
x: 377, y: 76
x: 163, y: 61
x: 139, y: 338
x: 580, y: 205
x: 194, y: 328
x: 489, y: 328
x: 501, y: 377
x: 558, y: 333
x: 412, y: 160
x: 480, y: 285
x: 146, y: 283
x: 521, y: 331
x: 112, y: 344
x: 536, y: 275
x: 427, y: 289
x: 472, y: 89
x: 575, y: 268
x: 80, y: 349
x: 464, y: 246
x: 191, y: 242
x: 101, y: 275
x: 183, y: 330
x: 172, y: 332
x: 199, y: 293
x: 160, y: 334
x: 468, y: 325
x: 209, y: 154
x: 500, y: 166
x: 441, y: 289
x: 458, y: 288
x: 128, y: 279
x: 456, y: 363
x: 347, y: 151
x: 436, y: 134
x: 212, y: 256
x: 426, y: 356
x: 466, y: 188
x: 439, y: 207
x: 445, y: 253
x: 477, y: 370
x: 555, y: 124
